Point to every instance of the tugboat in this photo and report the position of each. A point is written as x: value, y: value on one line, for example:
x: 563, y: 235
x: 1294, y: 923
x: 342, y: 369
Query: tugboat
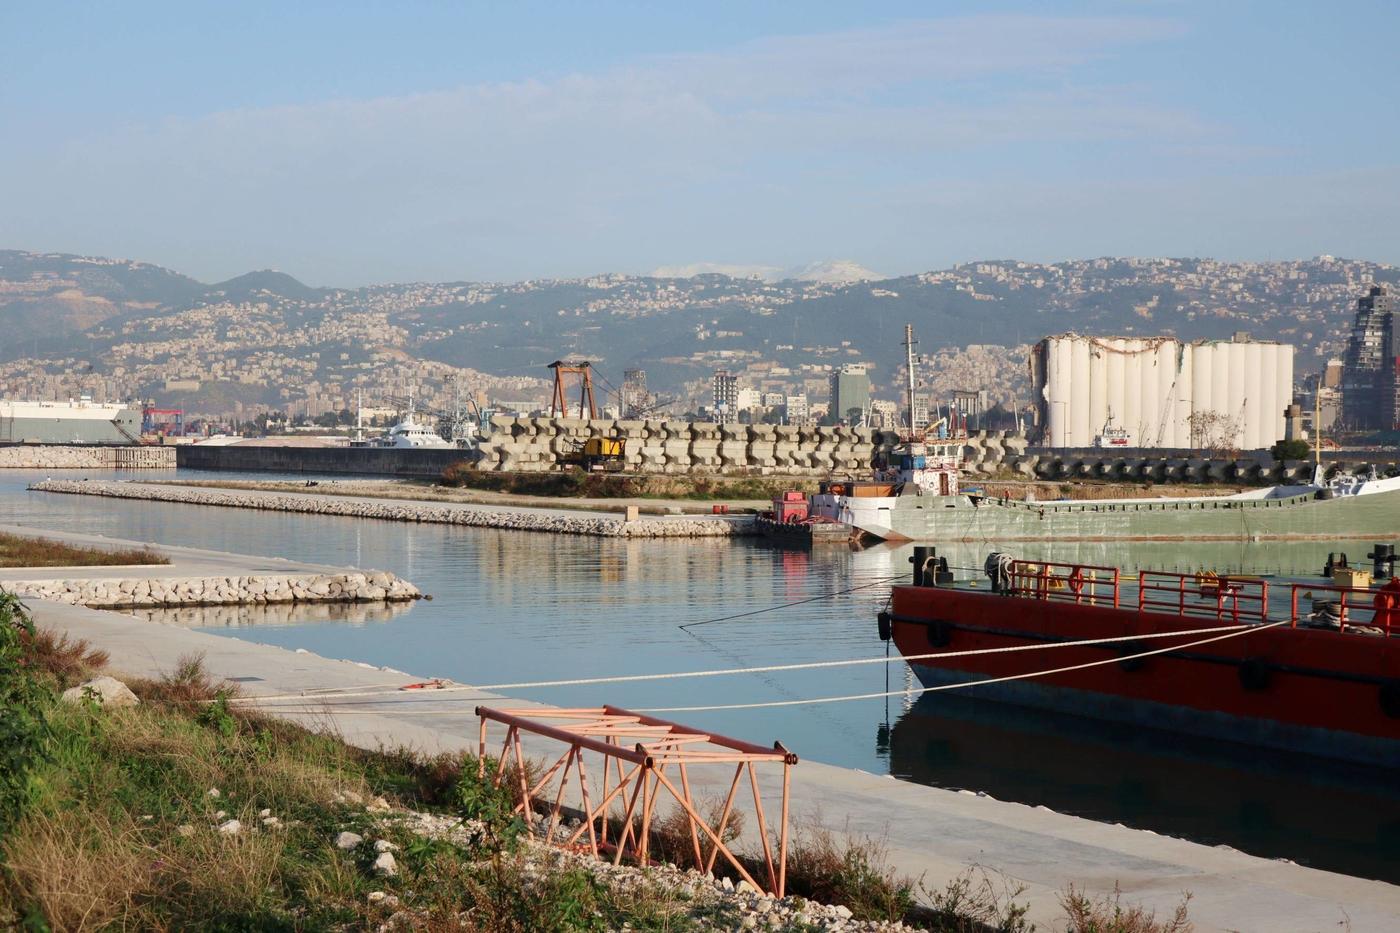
x: 1297, y: 665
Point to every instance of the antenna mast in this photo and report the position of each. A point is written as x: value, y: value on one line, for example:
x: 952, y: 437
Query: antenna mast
x: 909, y: 366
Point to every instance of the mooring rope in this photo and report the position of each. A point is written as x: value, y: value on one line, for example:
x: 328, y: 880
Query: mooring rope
x: 800, y: 602
x: 432, y: 693
x: 971, y: 683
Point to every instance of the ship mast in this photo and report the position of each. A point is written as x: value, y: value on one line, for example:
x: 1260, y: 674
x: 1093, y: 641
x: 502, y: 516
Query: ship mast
x: 909, y: 367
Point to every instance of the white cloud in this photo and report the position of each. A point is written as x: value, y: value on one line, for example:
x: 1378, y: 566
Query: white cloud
x: 761, y: 151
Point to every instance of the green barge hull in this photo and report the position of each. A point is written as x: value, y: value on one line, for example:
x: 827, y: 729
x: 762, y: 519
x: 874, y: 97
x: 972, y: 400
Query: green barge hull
x: 963, y: 518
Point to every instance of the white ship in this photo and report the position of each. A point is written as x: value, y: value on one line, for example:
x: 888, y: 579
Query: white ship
x: 80, y: 421
x: 411, y: 433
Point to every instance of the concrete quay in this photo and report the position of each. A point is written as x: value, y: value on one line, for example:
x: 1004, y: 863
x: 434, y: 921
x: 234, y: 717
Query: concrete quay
x: 931, y: 832
x: 195, y: 577
x: 519, y: 518
x: 85, y: 457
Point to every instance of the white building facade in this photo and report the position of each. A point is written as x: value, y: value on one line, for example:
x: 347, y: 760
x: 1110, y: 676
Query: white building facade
x: 1159, y: 392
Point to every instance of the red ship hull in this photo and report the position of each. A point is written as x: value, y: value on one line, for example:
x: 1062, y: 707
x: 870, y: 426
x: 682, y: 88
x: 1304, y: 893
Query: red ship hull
x: 1320, y: 692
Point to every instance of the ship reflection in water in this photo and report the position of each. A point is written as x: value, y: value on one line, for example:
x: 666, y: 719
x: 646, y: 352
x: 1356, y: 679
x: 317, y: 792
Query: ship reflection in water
x: 1217, y: 793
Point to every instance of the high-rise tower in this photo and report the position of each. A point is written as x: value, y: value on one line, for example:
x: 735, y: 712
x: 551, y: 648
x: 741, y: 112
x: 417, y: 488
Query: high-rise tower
x: 1370, y: 395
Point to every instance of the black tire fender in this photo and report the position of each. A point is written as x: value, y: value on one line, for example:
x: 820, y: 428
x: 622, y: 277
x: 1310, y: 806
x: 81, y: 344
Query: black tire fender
x: 1390, y: 699
x: 1132, y: 647
x: 1254, y: 674
x: 940, y: 633
x: 884, y: 624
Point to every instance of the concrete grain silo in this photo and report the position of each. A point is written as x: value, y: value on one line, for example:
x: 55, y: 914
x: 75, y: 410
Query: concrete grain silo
x: 1162, y: 393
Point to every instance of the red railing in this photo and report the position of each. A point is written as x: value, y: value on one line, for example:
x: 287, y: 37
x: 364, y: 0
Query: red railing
x: 1237, y: 600
x: 1377, y: 609
x: 1073, y: 583
x: 1225, y: 599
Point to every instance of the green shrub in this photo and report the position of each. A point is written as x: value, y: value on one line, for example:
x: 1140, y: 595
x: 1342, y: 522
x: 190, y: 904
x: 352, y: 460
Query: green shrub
x: 25, y: 696
x: 1290, y: 450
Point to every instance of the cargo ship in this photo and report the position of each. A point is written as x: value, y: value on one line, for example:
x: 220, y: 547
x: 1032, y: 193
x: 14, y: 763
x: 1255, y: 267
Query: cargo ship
x: 1297, y: 665
x: 916, y: 495
x: 75, y: 421
x: 920, y: 500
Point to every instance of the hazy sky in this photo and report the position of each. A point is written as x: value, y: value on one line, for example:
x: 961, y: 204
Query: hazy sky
x: 348, y: 143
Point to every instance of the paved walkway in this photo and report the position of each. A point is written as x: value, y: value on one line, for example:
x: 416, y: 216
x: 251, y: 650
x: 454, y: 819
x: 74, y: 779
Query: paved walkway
x: 544, y: 511
x: 184, y: 561
x: 931, y: 832
x: 423, y: 492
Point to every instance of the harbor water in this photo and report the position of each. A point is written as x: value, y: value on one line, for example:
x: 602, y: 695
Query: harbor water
x: 512, y: 607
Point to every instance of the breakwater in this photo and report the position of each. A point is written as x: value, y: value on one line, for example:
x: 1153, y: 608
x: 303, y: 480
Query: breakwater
x: 76, y: 457
x: 546, y: 520
x: 410, y: 463
x: 532, y: 445
x: 140, y: 590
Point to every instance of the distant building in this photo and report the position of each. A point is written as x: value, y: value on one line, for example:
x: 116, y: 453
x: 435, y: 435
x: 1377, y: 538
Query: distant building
x: 1370, y: 389
x: 884, y: 415
x: 796, y: 409
x: 972, y: 405
x: 726, y: 393
x: 635, y: 398
x: 849, y: 393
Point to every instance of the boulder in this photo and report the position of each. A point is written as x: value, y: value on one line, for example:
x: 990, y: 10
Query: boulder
x: 105, y: 691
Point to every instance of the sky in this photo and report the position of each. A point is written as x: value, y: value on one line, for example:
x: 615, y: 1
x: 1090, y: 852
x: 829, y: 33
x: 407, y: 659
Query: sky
x: 348, y: 143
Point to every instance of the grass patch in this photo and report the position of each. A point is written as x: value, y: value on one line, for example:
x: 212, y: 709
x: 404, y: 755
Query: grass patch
x: 19, y: 551
x: 1108, y: 914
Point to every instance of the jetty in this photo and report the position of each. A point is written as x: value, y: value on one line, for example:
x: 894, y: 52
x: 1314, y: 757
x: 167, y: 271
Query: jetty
x: 629, y: 524
x: 195, y: 577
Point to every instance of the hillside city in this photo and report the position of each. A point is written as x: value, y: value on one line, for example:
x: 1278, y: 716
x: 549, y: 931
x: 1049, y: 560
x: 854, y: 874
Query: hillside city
x: 265, y: 343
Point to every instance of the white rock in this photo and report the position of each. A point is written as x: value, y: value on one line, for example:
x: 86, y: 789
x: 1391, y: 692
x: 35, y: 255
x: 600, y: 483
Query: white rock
x: 266, y: 811
x: 184, y: 829
x: 384, y: 845
x: 105, y: 691
x: 348, y: 840
x: 219, y: 814
x: 385, y: 866
x: 232, y: 827
x: 213, y: 792
x: 842, y: 911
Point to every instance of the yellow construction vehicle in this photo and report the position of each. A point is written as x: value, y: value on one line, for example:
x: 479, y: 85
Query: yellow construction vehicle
x: 597, y: 453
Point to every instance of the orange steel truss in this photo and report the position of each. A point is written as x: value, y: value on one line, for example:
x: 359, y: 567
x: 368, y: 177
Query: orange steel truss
x: 640, y: 749
x: 559, y: 405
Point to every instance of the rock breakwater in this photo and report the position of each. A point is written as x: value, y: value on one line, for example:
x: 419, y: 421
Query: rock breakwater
x: 516, y: 519
x: 351, y: 586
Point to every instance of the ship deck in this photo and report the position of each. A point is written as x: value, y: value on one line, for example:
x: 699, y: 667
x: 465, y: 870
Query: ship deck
x: 1200, y: 598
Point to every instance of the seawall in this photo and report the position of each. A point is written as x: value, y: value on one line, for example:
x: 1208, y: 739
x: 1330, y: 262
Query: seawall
x: 369, y: 461
x: 77, y: 457
x: 556, y: 521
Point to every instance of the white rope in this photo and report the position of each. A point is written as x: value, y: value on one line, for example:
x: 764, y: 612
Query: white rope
x: 955, y: 686
x: 770, y: 668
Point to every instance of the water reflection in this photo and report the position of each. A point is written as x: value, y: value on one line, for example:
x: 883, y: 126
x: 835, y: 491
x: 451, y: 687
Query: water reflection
x: 271, y: 614
x: 1336, y: 816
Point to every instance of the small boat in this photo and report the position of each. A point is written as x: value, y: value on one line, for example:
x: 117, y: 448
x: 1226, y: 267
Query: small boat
x: 1296, y: 665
